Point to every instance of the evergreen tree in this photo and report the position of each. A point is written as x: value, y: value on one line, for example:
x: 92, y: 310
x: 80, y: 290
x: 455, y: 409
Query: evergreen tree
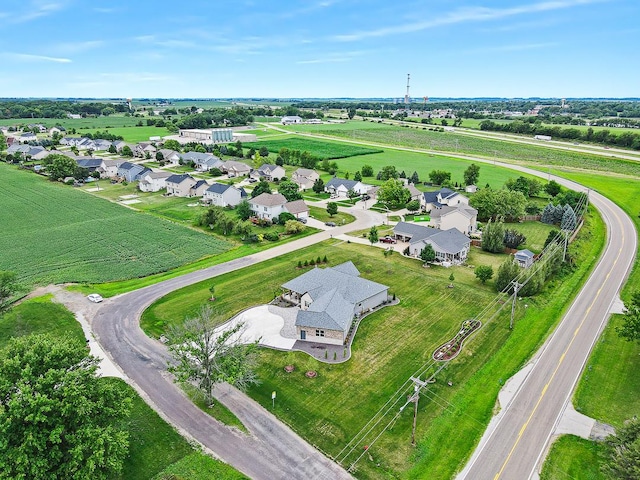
x: 414, y: 178
x: 507, y: 272
x: 558, y: 213
x: 548, y: 214
x: 569, y: 221
x: 493, y: 237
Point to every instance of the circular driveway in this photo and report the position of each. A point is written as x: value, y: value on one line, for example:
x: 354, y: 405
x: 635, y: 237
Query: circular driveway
x: 261, y: 323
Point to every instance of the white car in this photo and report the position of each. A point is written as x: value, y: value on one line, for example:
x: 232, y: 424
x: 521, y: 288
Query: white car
x: 95, y: 297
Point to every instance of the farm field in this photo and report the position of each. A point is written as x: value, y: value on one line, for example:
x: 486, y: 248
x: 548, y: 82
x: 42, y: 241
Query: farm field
x: 87, y: 239
x: 474, y: 123
x: 154, y: 446
x: 90, y: 122
x: 470, y: 145
x: 317, y: 148
x: 390, y: 345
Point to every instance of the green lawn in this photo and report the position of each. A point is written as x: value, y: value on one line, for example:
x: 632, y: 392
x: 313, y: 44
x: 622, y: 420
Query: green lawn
x: 131, y: 134
x: 573, y: 457
x: 75, y: 237
x: 536, y: 233
x: 339, y: 218
x: 154, y: 446
x: 318, y: 148
x: 69, y: 123
x: 390, y: 346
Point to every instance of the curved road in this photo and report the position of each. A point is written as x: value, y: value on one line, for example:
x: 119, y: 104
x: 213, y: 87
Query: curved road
x: 272, y: 450
x: 515, y: 445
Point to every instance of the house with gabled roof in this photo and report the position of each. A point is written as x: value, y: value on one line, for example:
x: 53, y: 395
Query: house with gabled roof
x: 27, y: 137
x: 223, y: 195
x: 142, y: 148
x: 341, y: 186
x: 185, y: 186
x: 169, y: 156
x: 153, y: 181
x: 90, y: 163
x: 441, y: 198
x: 269, y: 172
x: 450, y: 246
x: 297, y: 208
x: 203, y: 161
x: 131, y: 171
x: 329, y: 300
x: 109, y: 167
x: 235, y: 169
x: 269, y: 206
x: 304, y: 178
x: 57, y: 129
x: 524, y: 258
x: 461, y: 217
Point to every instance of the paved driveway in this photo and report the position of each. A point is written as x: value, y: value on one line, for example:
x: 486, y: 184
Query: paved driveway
x: 261, y: 324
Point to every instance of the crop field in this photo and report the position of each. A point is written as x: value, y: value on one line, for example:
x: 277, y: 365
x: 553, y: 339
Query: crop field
x: 52, y: 233
x: 318, y: 148
x: 90, y: 122
x: 471, y: 145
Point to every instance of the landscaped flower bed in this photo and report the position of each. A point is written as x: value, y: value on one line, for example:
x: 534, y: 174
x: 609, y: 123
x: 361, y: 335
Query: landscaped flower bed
x: 450, y: 349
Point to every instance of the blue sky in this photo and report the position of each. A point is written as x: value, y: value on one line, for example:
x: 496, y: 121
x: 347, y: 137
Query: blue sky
x: 319, y: 48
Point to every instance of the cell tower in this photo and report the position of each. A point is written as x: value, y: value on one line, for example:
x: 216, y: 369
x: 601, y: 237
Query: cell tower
x: 407, y: 98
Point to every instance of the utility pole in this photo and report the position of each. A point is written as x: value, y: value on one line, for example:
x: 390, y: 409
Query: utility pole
x: 417, y: 385
x: 564, y: 249
x: 516, y: 287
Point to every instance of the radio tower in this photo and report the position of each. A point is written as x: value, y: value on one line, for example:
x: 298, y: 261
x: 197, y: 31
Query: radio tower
x: 407, y: 98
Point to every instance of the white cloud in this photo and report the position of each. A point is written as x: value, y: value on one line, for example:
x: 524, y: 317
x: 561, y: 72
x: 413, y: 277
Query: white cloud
x: 77, y: 47
x: 27, y: 57
x: 512, y: 48
x: 37, y: 9
x: 463, y: 15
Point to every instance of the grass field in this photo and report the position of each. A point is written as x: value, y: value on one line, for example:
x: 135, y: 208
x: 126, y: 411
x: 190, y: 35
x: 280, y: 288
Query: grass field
x: 471, y: 145
x: 475, y: 124
x: 389, y: 346
x: 131, y: 134
x: 53, y: 233
x: 68, y: 123
x: 154, y: 446
x: 339, y: 218
x: 317, y: 148
x: 573, y: 457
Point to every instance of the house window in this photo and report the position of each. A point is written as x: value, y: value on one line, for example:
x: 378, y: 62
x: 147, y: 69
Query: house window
x: 319, y: 333
x: 265, y: 209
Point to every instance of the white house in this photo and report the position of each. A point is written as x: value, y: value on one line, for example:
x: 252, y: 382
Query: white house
x: 185, y: 186
x: 223, y: 195
x: 297, y: 208
x: 153, y: 181
x: 268, y: 205
x: 58, y: 130
x: 169, y: 156
x: 109, y: 167
x: 441, y: 198
x: 340, y: 187
x: 461, y: 217
x: 524, y: 258
x: 304, y: 178
x: 329, y: 299
x: 202, y: 161
x: 235, y: 169
x: 289, y: 119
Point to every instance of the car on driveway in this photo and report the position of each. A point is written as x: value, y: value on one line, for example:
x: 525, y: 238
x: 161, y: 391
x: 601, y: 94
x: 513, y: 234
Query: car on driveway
x: 302, y: 219
x: 388, y: 239
x: 94, y: 297
x: 330, y: 224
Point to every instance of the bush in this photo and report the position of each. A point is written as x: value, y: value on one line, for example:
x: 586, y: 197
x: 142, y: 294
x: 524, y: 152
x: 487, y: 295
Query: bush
x: 272, y: 236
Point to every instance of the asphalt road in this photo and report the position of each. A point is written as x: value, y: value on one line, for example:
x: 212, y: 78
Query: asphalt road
x: 272, y: 450
x: 517, y: 444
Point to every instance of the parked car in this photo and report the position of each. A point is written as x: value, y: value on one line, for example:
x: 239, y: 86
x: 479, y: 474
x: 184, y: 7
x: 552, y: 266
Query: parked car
x: 388, y: 239
x: 330, y: 224
x: 252, y: 180
x: 302, y: 219
x: 94, y: 297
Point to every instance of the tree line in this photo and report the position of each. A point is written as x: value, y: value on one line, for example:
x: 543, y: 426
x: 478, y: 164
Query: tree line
x: 56, y: 109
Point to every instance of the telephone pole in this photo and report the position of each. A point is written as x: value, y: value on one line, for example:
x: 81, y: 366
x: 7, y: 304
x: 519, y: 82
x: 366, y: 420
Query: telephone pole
x: 417, y: 385
x: 516, y: 287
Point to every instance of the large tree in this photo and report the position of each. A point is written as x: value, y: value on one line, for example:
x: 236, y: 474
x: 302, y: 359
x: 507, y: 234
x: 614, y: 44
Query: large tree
x: 428, y: 254
x: 552, y: 188
x: 483, y: 273
x: 205, y: 355
x: 630, y: 328
x: 58, y: 419
x: 8, y: 287
x: 318, y: 185
x: 172, y: 145
x: 393, y: 193
x: 387, y: 172
x: 471, y: 174
x: 332, y: 208
x: 367, y: 170
x: 261, y: 187
x: 493, y: 237
x: 60, y: 166
x: 438, y: 177
x: 290, y: 190
x: 243, y: 209
x: 498, y: 203
x: 623, y: 448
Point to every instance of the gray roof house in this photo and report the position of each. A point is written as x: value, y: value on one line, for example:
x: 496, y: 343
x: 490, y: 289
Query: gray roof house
x: 268, y: 205
x: 131, y: 171
x: 441, y: 198
x: 305, y: 178
x: 153, y: 181
x: 463, y: 217
x: 169, y: 156
x: 329, y: 300
x: 185, y: 186
x: 235, y: 169
x: 341, y: 187
x: 450, y: 245
x: 223, y: 195
x: 297, y: 208
x: 269, y: 172
x: 203, y: 161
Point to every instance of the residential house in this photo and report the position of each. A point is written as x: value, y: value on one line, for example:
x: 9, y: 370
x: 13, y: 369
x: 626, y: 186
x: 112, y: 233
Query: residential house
x: 269, y: 172
x: 203, y: 161
x: 461, y: 217
x: 27, y: 151
x: 223, y: 195
x: 57, y: 130
x: 119, y: 145
x: 330, y: 299
x: 297, y: 208
x: 185, y: 186
x: 169, y: 156
x: 27, y: 137
x: 471, y: 189
x: 100, y: 145
x: 40, y: 127
x: 450, y: 245
x: 91, y: 164
x: 305, y: 178
x: 109, y: 167
x: 289, y: 119
x: 415, y: 193
x: 74, y: 116
x: 153, y: 181
x: 235, y: 169
x: 131, y: 171
x: 340, y: 187
x: 524, y: 258
x: 144, y: 148
x: 68, y: 141
x: 441, y: 198
x: 268, y: 205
